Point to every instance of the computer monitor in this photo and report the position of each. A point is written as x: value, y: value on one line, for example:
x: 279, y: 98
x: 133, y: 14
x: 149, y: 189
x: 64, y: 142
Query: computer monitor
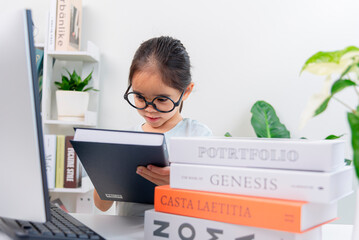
x: 23, y: 185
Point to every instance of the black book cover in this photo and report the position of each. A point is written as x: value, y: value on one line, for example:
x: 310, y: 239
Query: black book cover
x: 112, y: 168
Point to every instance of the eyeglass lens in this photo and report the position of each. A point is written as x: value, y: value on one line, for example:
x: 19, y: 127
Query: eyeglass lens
x: 161, y: 103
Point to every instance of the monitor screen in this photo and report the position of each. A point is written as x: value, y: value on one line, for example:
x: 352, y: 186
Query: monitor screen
x: 23, y: 185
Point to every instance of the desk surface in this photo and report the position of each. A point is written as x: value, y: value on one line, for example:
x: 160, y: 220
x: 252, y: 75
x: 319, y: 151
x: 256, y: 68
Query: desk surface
x: 126, y: 228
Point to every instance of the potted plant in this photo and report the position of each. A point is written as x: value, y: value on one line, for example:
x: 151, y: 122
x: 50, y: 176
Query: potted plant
x: 341, y: 69
x: 72, y: 96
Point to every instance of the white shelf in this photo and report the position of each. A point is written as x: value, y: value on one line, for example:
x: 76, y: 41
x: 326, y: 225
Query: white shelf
x: 90, y: 121
x: 59, y: 122
x: 92, y: 54
x: 86, y: 187
x: 73, y: 56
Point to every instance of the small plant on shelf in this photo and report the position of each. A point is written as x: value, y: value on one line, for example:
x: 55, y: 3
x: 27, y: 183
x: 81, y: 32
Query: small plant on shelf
x: 72, y: 96
x: 73, y: 82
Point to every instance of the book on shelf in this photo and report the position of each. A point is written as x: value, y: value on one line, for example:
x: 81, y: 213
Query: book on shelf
x: 159, y: 225
x: 276, y: 214
x: 68, y: 25
x: 72, y: 167
x: 50, y: 142
x: 321, y: 187
x: 111, y: 158
x: 60, y: 161
x: 51, y: 34
x: 297, y: 154
x: 39, y: 52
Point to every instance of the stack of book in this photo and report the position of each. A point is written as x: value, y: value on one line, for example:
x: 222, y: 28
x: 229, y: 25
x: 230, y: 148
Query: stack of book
x: 63, y: 168
x: 235, y: 188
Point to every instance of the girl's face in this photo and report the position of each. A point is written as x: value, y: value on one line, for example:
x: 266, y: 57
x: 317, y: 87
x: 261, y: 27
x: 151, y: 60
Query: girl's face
x: 149, y: 84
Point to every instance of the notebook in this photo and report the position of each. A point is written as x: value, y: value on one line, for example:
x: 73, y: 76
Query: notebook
x: 111, y: 157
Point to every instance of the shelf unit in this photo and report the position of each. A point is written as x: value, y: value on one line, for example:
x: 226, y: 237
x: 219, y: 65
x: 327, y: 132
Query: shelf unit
x: 55, y: 63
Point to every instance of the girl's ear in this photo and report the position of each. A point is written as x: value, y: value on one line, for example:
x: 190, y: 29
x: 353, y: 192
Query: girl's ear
x: 188, y: 91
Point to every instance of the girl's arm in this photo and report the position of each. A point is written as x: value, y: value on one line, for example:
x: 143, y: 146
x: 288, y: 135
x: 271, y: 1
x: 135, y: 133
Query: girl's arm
x: 157, y: 175
x: 103, y: 205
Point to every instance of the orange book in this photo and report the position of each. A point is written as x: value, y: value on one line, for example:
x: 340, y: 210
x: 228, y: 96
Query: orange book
x: 276, y: 214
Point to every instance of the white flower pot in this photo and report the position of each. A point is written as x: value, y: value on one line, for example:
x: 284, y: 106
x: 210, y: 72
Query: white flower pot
x: 71, y: 105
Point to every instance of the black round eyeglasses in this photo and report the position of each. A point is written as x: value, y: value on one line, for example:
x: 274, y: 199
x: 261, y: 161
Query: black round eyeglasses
x: 162, y: 104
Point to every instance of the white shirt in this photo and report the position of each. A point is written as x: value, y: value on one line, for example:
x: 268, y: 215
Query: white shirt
x: 185, y: 128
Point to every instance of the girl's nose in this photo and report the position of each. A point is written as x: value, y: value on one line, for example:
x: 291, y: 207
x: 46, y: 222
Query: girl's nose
x: 150, y: 108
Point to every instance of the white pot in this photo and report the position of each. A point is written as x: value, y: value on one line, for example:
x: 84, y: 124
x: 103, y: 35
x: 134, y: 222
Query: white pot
x: 71, y: 105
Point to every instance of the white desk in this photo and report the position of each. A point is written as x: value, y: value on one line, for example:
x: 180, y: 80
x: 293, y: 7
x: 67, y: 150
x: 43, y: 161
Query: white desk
x: 131, y: 228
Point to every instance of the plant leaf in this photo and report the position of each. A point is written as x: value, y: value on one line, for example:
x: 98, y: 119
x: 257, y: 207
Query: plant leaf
x: 227, y: 134
x: 348, y: 162
x: 326, y: 63
x: 322, y: 107
x: 266, y: 123
x: 88, y: 78
x: 73, y: 82
x: 341, y: 84
x: 354, y: 126
x: 330, y: 137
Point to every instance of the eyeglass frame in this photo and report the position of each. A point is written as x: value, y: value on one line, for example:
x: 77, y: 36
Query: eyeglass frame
x: 175, y: 104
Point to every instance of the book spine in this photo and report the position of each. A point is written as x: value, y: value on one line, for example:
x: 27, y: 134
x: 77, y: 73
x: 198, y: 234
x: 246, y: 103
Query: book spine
x: 300, y: 155
x: 52, y: 26
x: 70, y: 167
x: 320, y: 187
x: 160, y: 225
x: 60, y: 159
x: 62, y: 25
x: 50, y: 157
x: 68, y: 25
x: 282, y: 215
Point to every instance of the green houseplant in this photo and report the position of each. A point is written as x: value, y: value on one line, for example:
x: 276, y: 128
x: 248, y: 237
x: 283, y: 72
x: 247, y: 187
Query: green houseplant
x: 72, y: 96
x: 341, y: 69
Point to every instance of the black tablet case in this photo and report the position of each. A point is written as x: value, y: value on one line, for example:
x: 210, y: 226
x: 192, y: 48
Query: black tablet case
x: 112, y: 169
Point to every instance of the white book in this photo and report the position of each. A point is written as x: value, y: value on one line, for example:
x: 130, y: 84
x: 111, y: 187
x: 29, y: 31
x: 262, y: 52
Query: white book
x: 320, y: 187
x: 50, y: 158
x: 51, y: 26
x: 160, y: 225
x: 299, y: 154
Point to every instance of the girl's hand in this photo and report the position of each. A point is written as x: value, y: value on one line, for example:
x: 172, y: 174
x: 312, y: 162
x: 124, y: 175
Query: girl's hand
x: 157, y: 175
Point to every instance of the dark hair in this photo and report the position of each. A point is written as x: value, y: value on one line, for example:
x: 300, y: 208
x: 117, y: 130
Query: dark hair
x: 170, y: 58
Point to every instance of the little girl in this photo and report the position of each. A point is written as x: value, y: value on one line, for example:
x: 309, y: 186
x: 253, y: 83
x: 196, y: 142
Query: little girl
x: 159, y: 82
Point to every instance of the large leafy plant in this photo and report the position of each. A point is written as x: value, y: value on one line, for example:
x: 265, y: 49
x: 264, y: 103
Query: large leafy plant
x: 73, y: 82
x: 341, y: 69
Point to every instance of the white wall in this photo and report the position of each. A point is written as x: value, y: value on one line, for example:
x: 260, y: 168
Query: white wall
x: 241, y: 52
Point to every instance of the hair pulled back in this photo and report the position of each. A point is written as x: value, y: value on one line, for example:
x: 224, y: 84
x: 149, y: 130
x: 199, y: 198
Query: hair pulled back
x: 168, y: 56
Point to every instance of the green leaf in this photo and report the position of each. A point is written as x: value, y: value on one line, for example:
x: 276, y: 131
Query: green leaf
x: 227, y: 134
x: 328, y: 57
x: 341, y: 84
x: 74, y: 83
x: 348, y: 162
x: 354, y: 126
x: 266, y: 123
x: 322, y: 107
x: 330, y: 137
x: 88, y: 78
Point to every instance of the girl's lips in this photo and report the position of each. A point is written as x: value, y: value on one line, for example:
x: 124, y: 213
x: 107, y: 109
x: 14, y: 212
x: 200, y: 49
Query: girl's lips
x: 152, y: 119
